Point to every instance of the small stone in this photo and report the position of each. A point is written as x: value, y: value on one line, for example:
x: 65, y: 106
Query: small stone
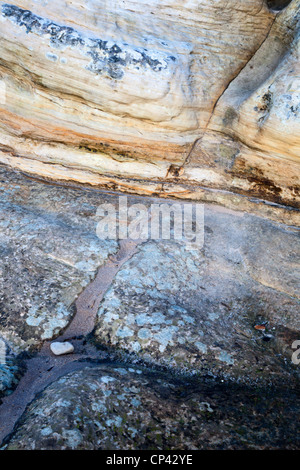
x: 260, y: 327
x: 61, y: 348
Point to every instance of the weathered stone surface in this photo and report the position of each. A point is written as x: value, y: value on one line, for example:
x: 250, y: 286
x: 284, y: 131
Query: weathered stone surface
x: 49, y: 253
x: 196, y: 309
x: 110, y: 408
x: 192, y: 94
x: 217, y: 381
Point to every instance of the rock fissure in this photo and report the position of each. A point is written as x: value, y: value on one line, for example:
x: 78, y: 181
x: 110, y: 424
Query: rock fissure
x: 197, y: 141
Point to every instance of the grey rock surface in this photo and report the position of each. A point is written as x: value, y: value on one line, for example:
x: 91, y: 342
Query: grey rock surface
x: 49, y: 252
x: 197, y: 343
x: 106, y: 407
x: 197, y: 309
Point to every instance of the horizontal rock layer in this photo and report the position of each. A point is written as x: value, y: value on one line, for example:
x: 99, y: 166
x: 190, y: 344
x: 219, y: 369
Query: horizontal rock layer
x: 170, y: 99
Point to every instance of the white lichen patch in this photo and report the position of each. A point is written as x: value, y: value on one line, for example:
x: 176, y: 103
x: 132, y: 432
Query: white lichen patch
x: 49, y: 324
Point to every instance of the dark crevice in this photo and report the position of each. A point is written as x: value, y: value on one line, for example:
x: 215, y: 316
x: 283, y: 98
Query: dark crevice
x: 278, y: 5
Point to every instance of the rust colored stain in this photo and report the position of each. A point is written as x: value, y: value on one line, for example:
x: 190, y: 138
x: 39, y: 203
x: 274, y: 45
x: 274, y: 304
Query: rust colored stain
x: 260, y: 327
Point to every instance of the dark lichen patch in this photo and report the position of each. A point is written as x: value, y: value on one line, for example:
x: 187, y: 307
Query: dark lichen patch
x: 293, y: 111
x: 264, y: 107
x: 229, y: 116
x: 266, y: 102
x: 88, y: 149
x: 59, y: 35
x: 107, y: 58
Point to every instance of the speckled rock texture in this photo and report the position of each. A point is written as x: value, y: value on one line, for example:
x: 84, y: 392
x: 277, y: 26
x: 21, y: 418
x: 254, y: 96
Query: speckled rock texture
x: 197, y: 309
x: 49, y: 252
x: 190, y: 348
x: 172, y: 99
x: 105, y: 408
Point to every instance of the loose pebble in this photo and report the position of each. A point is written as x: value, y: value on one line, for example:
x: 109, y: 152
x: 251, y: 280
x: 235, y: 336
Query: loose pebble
x: 61, y: 348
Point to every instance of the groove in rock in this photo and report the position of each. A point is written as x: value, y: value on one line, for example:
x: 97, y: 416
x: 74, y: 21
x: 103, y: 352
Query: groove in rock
x: 44, y: 368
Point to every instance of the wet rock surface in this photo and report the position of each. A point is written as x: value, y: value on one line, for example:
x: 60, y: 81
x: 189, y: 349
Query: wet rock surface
x: 193, y: 345
x: 107, y: 407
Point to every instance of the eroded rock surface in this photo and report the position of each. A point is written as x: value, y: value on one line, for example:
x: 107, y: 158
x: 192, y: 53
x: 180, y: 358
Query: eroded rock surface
x: 105, y: 408
x: 252, y: 142
x: 200, y: 340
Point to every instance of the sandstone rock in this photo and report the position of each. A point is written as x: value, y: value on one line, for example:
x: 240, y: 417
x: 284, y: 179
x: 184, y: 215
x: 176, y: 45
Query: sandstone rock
x: 167, y: 98
x: 252, y: 141
x: 61, y: 348
x: 106, y: 407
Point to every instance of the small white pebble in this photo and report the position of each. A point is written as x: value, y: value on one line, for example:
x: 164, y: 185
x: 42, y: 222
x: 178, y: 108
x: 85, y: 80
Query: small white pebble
x: 61, y: 348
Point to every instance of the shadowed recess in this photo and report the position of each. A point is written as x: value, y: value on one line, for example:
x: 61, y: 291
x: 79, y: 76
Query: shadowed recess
x: 278, y: 5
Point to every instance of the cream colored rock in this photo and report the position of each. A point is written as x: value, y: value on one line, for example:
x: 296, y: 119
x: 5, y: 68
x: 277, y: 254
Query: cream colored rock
x: 60, y: 349
x: 138, y: 97
x: 252, y: 142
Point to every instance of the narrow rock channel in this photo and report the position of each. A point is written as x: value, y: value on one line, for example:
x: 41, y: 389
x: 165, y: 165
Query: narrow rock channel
x: 44, y: 368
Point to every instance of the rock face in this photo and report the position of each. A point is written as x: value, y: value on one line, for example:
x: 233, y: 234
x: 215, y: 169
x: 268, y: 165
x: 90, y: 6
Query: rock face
x: 174, y: 346
x: 166, y: 99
